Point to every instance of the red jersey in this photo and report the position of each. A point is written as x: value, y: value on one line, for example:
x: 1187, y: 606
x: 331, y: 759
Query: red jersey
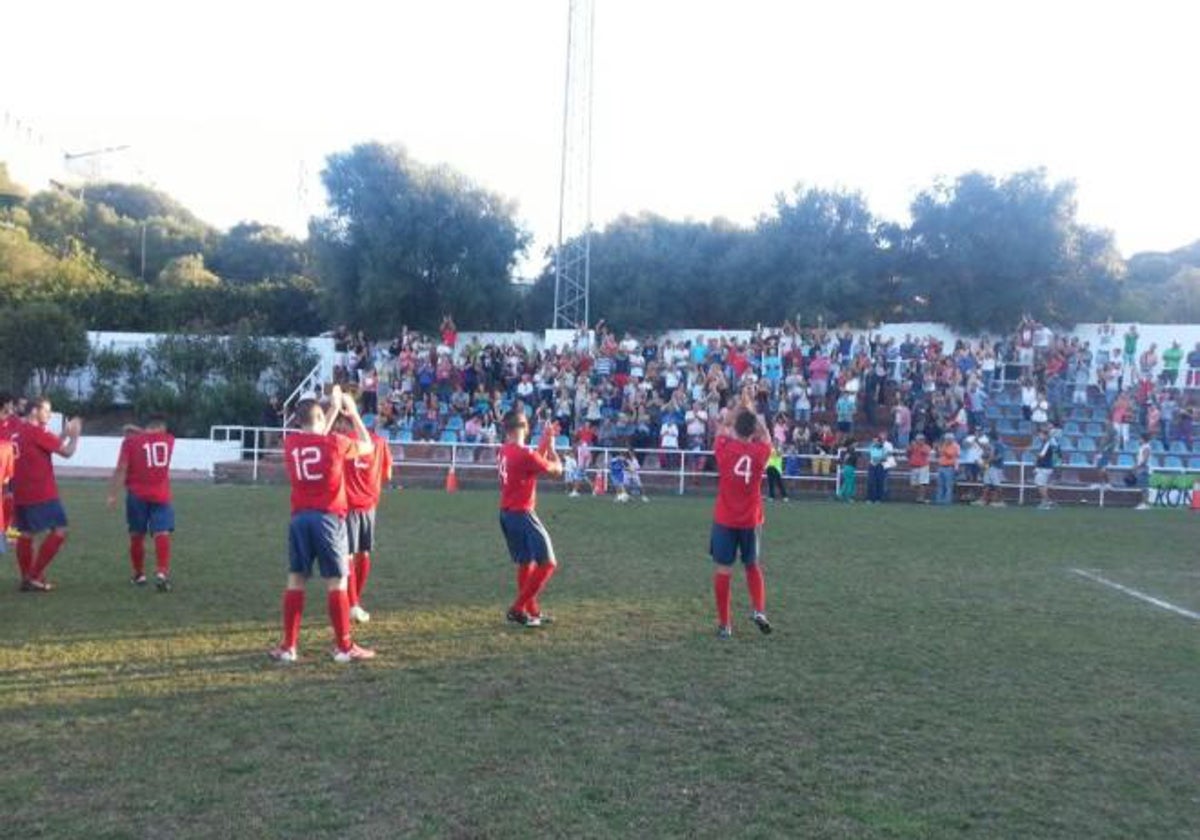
x: 9, y: 426
x: 33, y: 481
x: 365, y: 476
x: 316, y: 466
x: 519, y: 470
x: 147, y: 460
x: 740, y: 466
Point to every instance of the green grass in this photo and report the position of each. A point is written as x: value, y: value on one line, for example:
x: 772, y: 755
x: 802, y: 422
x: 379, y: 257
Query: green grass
x: 934, y: 673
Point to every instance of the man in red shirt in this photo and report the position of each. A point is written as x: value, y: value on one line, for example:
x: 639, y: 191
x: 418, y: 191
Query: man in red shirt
x: 528, y: 541
x: 7, y: 465
x: 39, y: 511
x: 144, y: 469
x: 9, y: 420
x: 365, y: 476
x: 742, y: 448
x: 315, y: 459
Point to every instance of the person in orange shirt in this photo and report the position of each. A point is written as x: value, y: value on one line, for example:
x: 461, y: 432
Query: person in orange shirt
x: 947, y: 469
x: 918, y: 467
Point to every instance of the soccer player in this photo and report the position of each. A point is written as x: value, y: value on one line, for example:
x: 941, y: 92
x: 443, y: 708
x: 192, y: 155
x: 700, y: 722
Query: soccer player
x: 7, y: 465
x: 365, y: 476
x: 528, y: 541
x: 316, y: 460
x: 9, y: 421
x: 40, y: 513
x: 742, y: 448
x: 144, y: 469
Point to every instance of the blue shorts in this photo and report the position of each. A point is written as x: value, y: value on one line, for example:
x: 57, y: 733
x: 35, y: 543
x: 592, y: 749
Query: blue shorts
x: 360, y: 530
x: 727, y: 543
x: 321, y: 537
x: 44, y: 516
x: 145, y: 517
x: 527, y: 538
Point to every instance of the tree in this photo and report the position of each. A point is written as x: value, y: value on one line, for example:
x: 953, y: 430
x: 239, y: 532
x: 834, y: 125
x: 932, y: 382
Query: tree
x: 39, y: 343
x: 11, y: 193
x: 187, y: 272
x: 985, y: 251
x: 405, y: 243
x: 251, y: 252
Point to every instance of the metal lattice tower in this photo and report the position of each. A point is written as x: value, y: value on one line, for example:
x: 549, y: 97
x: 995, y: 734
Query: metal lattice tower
x: 572, y: 259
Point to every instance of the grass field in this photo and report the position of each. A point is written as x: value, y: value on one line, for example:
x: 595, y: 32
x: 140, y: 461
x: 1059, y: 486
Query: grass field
x: 934, y: 673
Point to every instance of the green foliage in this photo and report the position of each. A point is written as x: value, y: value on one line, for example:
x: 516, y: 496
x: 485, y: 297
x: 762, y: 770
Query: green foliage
x: 187, y: 272
x: 404, y: 243
x: 107, y: 366
x: 986, y: 250
x: 200, y: 380
x: 251, y: 252
x: 39, y: 343
x: 11, y: 193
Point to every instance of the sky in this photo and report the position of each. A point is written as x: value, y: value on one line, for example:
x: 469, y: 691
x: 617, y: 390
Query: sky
x: 701, y: 109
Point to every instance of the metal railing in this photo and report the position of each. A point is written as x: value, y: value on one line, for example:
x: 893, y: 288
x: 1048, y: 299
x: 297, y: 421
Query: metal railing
x: 260, y: 443
x: 312, y: 383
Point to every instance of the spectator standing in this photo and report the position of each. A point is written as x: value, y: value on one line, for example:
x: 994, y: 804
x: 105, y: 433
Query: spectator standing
x: 1047, y: 458
x: 880, y: 455
x: 919, y: 453
x: 1141, y: 472
x: 847, y: 456
x: 948, y: 454
x: 775, y: 475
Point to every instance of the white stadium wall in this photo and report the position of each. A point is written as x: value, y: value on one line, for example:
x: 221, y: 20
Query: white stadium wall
x: 191, y: 454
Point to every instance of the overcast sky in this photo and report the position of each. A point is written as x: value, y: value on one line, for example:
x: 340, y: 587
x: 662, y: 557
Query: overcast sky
x: 702, y: 109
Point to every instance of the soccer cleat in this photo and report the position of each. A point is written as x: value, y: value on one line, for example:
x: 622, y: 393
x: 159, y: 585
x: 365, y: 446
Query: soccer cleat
x: 724, y: 632
x: 1000, y: 503
x: 1142, y: 506
x: 360, y: 615
x: 574, y: 494
x: 760, y: 619
x: 541, y: 618
x: 354, y: 653
x: 645, y: 498
x: 162, y: 583
x: 282, y: 654
x: 517, y: 617
x: 40, y: 586
x: 24, y: 586
x: 138, y: 580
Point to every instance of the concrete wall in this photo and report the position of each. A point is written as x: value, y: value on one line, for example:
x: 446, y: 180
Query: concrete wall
x: 191, y: 454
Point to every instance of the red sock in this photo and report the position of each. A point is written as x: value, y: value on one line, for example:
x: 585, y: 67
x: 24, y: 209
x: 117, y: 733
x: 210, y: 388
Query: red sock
x: 721, y: 591
x: 137, y: 553
x: 9, y: 508
x: 25, y: 555
x: 541, y: 574
x: 351, y: 585
x: 524, y: 570
x: 757, y: 587
x: 46, y: 553
x: 339, y: 617
x: 293, y: 611
x: 362, y: 571
x: 162, y: 554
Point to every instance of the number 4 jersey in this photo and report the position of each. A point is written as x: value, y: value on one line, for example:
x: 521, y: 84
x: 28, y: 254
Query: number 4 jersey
x: 316, y: 466
x: 147, y: 458
x: 740, y: 466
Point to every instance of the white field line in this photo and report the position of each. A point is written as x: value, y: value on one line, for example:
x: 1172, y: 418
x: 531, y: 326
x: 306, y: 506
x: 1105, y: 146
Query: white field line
x: 1141, y: 596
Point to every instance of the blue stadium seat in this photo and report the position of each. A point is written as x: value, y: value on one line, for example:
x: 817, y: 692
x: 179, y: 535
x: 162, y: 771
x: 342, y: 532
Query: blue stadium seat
x: 1086, y: 444
x: 406, y: 435
x: 1173, y: 462
x: 455, y: 423
x: 1125, y: 460
x: 1194, y: 463
x: 449, y: 436
x: 1178, y: 447
x: 1095, y: 429
x: 1024, y: 427
x: 1027, y: 457
x: 1071, y: 428
x: 1078, y: 459
x: 1157, y: 447
x: 562, y: 442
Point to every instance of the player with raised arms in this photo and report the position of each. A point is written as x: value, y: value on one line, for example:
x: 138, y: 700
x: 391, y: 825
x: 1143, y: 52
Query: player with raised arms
x: 40, y: 512
x: 742, y: 447
x: 365, y: 477
x: 528, y: 541
x: 144, y: 470
x: 316, y: 458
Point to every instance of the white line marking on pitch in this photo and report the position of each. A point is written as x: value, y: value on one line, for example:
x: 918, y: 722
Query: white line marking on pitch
x: 1141, y: 596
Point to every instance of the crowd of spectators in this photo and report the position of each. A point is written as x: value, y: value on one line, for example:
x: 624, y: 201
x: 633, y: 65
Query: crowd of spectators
x: 840, y: 396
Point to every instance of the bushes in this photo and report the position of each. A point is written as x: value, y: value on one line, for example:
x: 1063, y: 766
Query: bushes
x: 198, y: 380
